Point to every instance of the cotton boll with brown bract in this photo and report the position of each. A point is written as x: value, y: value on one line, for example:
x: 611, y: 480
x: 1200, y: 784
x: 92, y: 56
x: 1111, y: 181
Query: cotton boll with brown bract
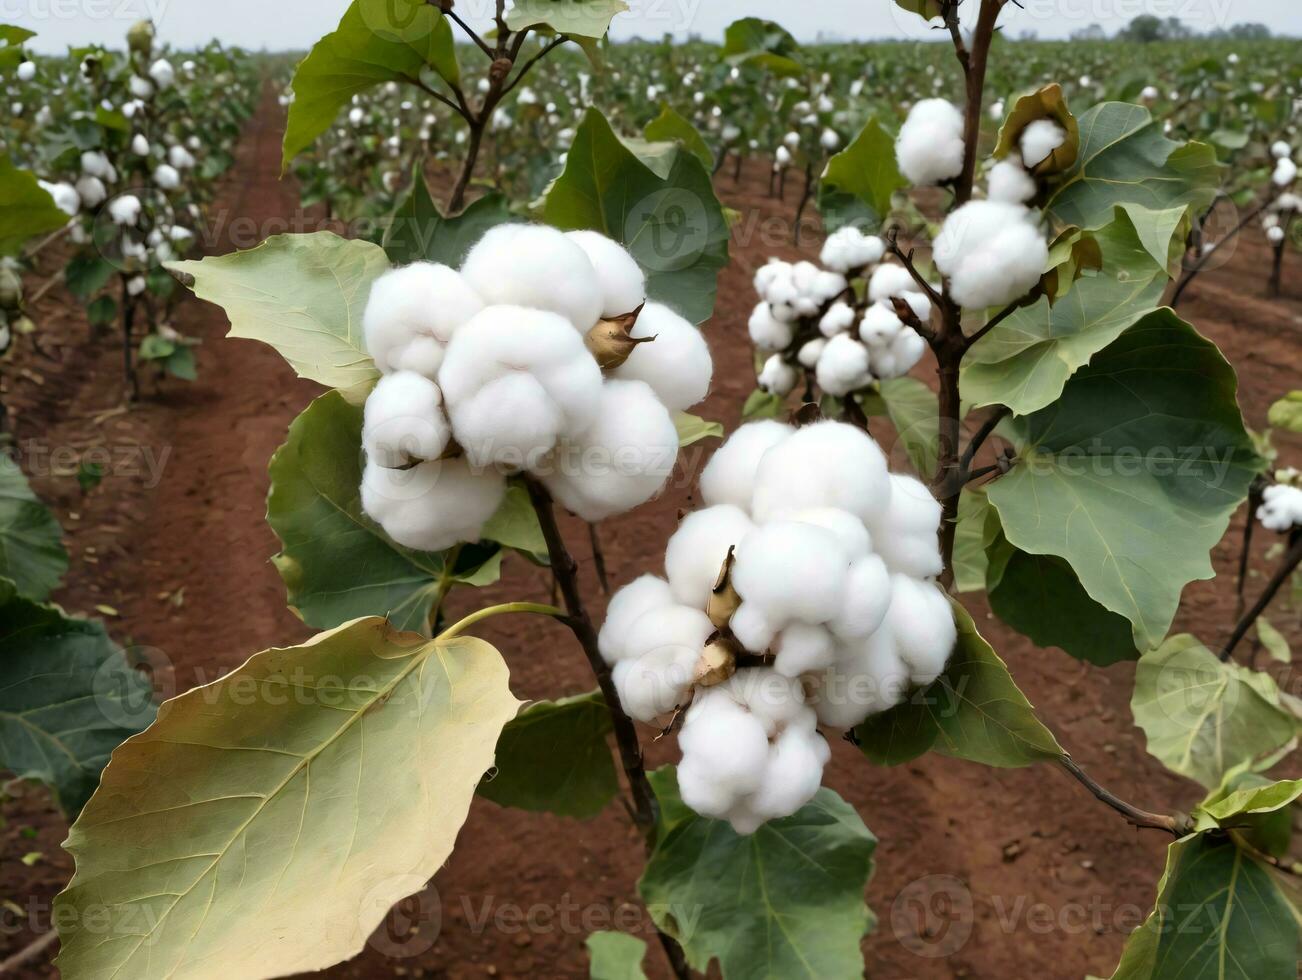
x: 661, y: 649
x: 698, y: 549
x: 676, y: 364
x: 622, y: 281
x: 1040, y: 138
x: 433, y: 505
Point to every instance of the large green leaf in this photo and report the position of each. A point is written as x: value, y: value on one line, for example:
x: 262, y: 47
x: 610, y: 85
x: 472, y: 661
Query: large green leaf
x: 554, y: 758
x: 1203, y: 717
x: 674, y: 226
x: 1251, y: 805
x: 972, y: 711
x: 266, y: 822
x: 302, y: 294
x: 578, y: 18
x: 1125, y: 158
x: 762, y: 43
x: 1133, y: 474
x: 418, y: 231
x: 914, y: 411
x: 857, y: 183
x: 31, y: 552
x: 978, y: 528
x: 1025, y: 361
x: 376, y: 41
x: 26, y: 208
x: 671, y: 127
x: 1220, y: 914
x: 68, y: 698
x: 786, y: 901
x: 615, y: 956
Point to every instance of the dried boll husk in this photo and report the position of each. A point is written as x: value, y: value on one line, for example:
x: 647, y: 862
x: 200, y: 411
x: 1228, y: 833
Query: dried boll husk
x: 610, y: 341
x: 718, y: 662
x: 724, y: 599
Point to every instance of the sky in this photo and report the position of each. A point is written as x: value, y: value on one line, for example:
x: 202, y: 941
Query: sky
x: 296, y: 24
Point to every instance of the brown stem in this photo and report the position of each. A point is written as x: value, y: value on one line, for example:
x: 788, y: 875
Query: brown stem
x: 1254, y: 501
x: 458, y: 199
x: 1176, y: 826
x: 29, y: 952
x: 1286, y: 568
x: 524, y: 70
x: 598, y: 559
x: 1004, y: 314
x: 973, y: 61
x: 982, y: 434
x: 470, y: 32
x: 1207, y: 255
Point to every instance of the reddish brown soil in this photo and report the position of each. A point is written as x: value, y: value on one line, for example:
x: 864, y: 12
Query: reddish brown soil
x: 1053, y: 880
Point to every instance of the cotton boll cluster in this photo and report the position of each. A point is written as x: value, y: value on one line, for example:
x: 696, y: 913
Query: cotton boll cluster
x: 993, y: 252
x: 929, y: 149
x: 1281, y: 508
x: 511, y: 364
x: 809, y: 559
x: 848, y: 249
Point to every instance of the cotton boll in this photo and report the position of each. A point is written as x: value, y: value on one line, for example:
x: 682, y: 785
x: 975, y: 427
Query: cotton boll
x: 643, y: 595
x: 729, y: 477
x: 992, y: 252
x: 622, y: 281
x: 867, y: 597
x: 65, y: 196
x: 140, y: 145
x: 752, y: 627
x: 1149, y: 94
x: 905, y: 351
x: 697, y: 550
x: 828, y: 285
x: 921, y: 622
x: 782, y: 156
x: 767, y: 332
x: 890, y: 280
x: 802, y: 648
x: 810, y: 352
x: 413, y: 312
x: 661, y: 649
x: 433, y: 505
x: 791, y: 141
x: 1281, y: 508
x: 141, y: 88
x: 838, y: 319
x: 136, y: 285
x: 26, y: 71
x: 880, y: 326
x: 792, y: 571
x: 180, y: 158
x: 868, y: 678
x: 793, y: 774
x: 1285, y: 173
x: 1010, y: 183
x: 1279, y: 150
x: 843, y: 366
x: 403, y: 420
x: 774, y: 698
x: 929, y: 148
x: 515, y: 380
x: 702, y: 792
x: 905, y: 533
x: 829, y: 140
x: 768, y: 273
x: 676, y: 364
x: 848, y: 248
x: 162, y: 73
x: 827, y: 464
x: 95, y: 164
x: 777, y: 377
x: 92, y: 191
x: 1275, y: 235
x: 724, y: 739
x: 1040, y: 138
x: 166, y: 177
x: 539, y: 267
x: 621, y: 461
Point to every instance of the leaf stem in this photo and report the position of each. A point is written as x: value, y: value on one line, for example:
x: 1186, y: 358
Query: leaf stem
x: 1290, y: 562
x: 479, y: 615
x: 1176, y: 826
x: 1207, y: 255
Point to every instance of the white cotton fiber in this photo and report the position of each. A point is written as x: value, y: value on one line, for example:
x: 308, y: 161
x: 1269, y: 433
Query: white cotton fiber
x: 1285, y: 173
x: 792, y: 572
x: 929, y: 148
x: 1009, y: 182
x: 868, y: 677
x: 810, y: 351
x: 1280, y: 149
x: 767, y: 332
x: 1281, y: 508
x: 905, y: 351
x: 768, y: 273
x: 838, y: 319
x: 793, y: 774
x: 433, y: 505
x: 403, y: 421
x: 92, y: 191
x: 676, y: 364
x: 848, y: 248
x: 96, y: 164
x: 880, y: 326
x: 723, y: 738
x: 921, y: 622
x: 906, y: 533
x: 515, y: 380
x: 539, y: 267
x: 166, y: 177
x: 774, y: 698
x: 412, y: 313
x: 622, y: 281
x: 890, y: 280
x: 642, y: 595
x: 621, y: 461
x: 777, y: 377
x: 752, y: 627
x: 729, y: 477
x: 802, y: 648
x: 65, y: 196
x: 662, y: 647
x: 827, y: 464
x: 867, y: 597
x: 848, y: 530
x: 843, y: 366
x: 992, y: 252
x: 697, y: 550
x: 1040, y: 138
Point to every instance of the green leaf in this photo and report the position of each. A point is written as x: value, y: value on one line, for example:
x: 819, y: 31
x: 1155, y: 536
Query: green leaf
x: 671, y: 127
x: 554, y: 758
x: 14, y: 35
x: 1133, y: 474
x: 763, y: 44
x: 180, y: 363
x: 418, y: 231
x: 1287, y: 412
x: 692, y: 428
x: 787, y: 901
x: 972, y: 711
x: 86, y: 274
x: 761, y: 405
x: 68, y: 698
x: 1125, y: 158
x: 266, y: 822
x: 1274, y: 641
x: 31, y: 549
x: 577, y: 18
x: 923, y: 8
x: 515, y: 525
x: 914, y: 411
x: 302, y: 294
x: 977, y: 529
x: 376, y: 41
x: 101, y: 311
x: 1227, y: 811
x: 1202, y: 716
x: 858, y: 183
x: 336, y: 562
x: 673, y: 225
x: 26, y: 208
x: 615, y: 956
x: 1041, y: 597
x: 1025, y: 361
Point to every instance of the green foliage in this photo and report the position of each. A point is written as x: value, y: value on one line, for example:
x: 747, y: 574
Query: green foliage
x: 418, y: 231
x: 673, y: 224
x: 914, y: 411
x: 577, y: 18
x: 554, y: 758
x: 31, y: 552
x: 68, y: 698
x: 786, y: 901
x: 615, y: 956
x: 669, y: 126
x: 26, y: 209
x: 692, y: 429
x: 858, y: 183
x: 1287, y: 412
x: 762, y: 44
